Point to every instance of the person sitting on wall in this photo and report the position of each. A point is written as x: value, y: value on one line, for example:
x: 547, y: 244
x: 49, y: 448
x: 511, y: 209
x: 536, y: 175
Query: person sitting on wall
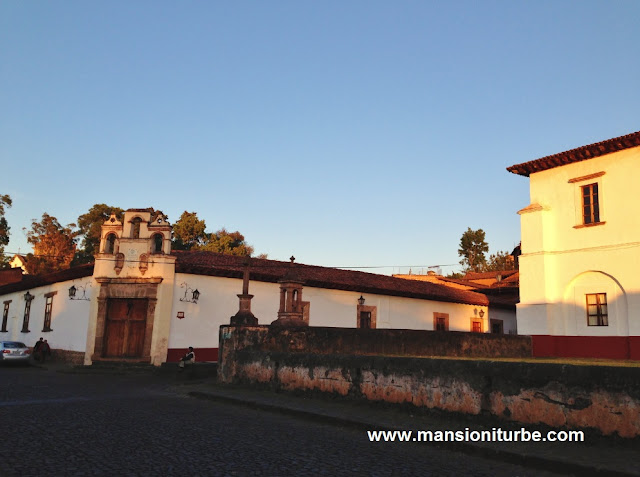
x: 45, y: 350
x: 188, y: 358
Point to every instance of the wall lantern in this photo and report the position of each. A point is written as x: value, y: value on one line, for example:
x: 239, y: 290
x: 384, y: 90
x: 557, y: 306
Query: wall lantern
x: 361, y: 300
x: 195, y: 294
x: 28, y: 296
x: 73, y: 290
x: 481, y: 313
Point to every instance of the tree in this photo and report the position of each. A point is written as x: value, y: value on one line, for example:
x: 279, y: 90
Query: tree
x: 228, y: 243
x: 189, y: 232
x: 90, y: 226
x: 472, y: 250
x: 53, y: 245
x: 500, y: 261
x: 5, y: 200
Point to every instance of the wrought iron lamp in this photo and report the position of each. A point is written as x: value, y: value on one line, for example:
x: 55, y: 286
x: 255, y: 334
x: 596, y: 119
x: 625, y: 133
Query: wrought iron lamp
x: 361, y: 300
x: 195, y: 294
x: 28, y: 296
x: 73, y: 290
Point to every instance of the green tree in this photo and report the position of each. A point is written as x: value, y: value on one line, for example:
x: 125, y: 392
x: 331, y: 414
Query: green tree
x: 473, y: 247
x: 90, y: 226
x: 189, y: 232
x: 5, y: 201
x: 54, y: 246
x: 228, y: 243
x: 500, y: 261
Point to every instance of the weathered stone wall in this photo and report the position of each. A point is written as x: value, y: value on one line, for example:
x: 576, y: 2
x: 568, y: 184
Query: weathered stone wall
x: 66, y: 356
x: 390, y: 342
x: 601, y: 397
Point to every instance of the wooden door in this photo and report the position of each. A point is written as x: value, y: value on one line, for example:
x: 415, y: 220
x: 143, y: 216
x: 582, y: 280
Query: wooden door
x: 125, y: 327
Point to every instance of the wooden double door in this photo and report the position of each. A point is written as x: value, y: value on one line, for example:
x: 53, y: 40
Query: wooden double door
x: 125, y: 327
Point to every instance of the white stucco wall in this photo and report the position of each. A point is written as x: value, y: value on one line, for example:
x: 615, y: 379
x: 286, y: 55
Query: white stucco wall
x: 69, y: 318
x: 218, y: 302
x: 562, y: 261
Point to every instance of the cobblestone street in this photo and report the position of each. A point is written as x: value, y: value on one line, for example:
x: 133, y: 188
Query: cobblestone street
x: 89, y: 424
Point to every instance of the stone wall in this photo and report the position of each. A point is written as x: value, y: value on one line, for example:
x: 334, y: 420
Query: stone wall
x: 601, y: 397
x: 389, y: 342
x: 65, y: 356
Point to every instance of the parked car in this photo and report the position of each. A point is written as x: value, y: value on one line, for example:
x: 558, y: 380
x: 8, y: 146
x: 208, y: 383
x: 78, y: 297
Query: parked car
x: 14, y: 352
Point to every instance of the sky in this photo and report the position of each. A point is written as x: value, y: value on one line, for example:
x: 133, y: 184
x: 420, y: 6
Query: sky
x: 355, y: 133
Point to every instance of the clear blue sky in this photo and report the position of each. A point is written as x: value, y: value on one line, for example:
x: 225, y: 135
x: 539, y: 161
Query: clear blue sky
x: 346, y: 133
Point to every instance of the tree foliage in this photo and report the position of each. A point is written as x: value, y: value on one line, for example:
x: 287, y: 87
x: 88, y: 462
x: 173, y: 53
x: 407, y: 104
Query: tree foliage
x: 228, y: 243
x: 500, y: 261
x: 5, y: 201
x: 89, y: 228
x: 189, y: 232
x: 473, y: 247
x: 53, y: 245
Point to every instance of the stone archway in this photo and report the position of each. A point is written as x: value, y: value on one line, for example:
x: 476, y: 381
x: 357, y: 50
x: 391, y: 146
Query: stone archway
x: 125, y: 333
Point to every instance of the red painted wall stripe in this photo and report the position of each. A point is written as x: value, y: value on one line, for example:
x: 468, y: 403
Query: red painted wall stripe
x: 609, y: 347
x: 202, y: 354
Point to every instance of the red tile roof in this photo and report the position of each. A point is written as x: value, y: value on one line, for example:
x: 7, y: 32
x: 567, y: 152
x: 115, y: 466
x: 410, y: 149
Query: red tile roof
x: 11, y: 275
x: 32, y: 281
x: 576, y: 155
x: 215, y: 264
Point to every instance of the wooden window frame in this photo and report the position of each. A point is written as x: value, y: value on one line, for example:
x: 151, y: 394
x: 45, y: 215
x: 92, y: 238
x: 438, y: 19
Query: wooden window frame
x: 601, y: 314
x: 590, y: 193
x: 440, y: 316
x: 48, y: 306
x: 367, y: 309
x: 480, y: 324
x: 5, y: 316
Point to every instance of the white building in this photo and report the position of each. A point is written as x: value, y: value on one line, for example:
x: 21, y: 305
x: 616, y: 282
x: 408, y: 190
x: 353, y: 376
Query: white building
x: 579, y: 280
x: 143, y: 302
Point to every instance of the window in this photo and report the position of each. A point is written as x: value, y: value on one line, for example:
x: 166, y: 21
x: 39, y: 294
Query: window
x: 497, y: 327
x: 597, y: 309
x: 366, y: 317
x: 135, y: 228
x: 476, y: 325
x: 27, y: 312
x: 590, y: 204
x: 47, y: 311
x: 5, y: 316
x: 157, y: 243
x: 111, y: 244
x: 441, y: 321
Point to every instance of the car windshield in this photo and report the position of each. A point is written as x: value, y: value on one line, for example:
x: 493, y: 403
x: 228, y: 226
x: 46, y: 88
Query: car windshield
x: 14, y: 344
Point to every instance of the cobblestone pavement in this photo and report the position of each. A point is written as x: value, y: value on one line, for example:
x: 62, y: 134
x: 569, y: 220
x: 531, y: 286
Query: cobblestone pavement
x: 128, y: 425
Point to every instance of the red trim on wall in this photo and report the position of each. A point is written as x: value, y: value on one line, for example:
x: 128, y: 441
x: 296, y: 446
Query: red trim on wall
x: 202, y: 354
x: 609, y: 347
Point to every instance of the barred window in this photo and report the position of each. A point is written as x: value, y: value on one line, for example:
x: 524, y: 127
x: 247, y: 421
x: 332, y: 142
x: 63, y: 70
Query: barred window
x: 47, y: 311
x: 5, y: 316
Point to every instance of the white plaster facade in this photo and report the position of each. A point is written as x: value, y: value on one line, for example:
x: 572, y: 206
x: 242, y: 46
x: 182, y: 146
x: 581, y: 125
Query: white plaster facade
x: 563, y: 259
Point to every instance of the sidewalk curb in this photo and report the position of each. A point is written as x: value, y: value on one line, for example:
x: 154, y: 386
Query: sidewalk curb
x: 532, y: 461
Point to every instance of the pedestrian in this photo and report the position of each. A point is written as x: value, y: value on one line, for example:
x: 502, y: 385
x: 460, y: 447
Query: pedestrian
x: 45, y: 350
x: 37, y: 350
x: 188, y: 358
